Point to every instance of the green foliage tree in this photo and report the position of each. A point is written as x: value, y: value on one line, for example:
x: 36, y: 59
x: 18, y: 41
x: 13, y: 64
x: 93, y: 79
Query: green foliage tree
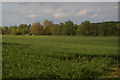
x: 61, y: 28
x: 47, y: 31
x: 85, y: 28
x: 78, y: 31
x: 118, y: 30
x: 93, y: 29
x: 5, y: 30
x: 112, y: 28
x: 67, y: 28
x: 103, y: 29
x: 23, y: 29
x: 13, y: 30
x: 0, y: 30
x: 55, y: 30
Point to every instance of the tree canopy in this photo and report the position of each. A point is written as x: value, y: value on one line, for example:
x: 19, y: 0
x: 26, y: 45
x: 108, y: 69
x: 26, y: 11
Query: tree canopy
x: 35, y: 28
x: 86, y: 28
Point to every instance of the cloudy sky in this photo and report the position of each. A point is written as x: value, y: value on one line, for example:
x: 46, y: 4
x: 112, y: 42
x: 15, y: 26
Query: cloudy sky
x: 15, y: 13
x: 60, y: 0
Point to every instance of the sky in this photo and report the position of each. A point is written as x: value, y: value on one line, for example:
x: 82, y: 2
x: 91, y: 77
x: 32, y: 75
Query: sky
x: 15, y: 13
x: 59, y: 0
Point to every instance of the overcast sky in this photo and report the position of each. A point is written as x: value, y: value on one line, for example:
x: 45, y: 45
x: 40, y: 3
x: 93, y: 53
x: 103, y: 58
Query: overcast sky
x: 15, y: 13
x: 60, y: 0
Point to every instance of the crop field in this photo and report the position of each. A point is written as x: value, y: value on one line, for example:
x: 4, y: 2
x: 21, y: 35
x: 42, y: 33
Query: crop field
x: 59, y: 57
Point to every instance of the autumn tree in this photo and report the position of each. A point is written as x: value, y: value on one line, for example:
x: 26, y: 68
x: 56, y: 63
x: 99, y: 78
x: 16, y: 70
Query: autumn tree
x: 36, y: 28
x: 67, y: 28
x: 47, y: 24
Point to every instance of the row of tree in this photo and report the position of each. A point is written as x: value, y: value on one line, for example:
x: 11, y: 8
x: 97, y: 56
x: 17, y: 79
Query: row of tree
x: 68, y: 28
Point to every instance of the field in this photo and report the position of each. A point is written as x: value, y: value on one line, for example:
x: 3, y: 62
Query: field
x: 59, y: 57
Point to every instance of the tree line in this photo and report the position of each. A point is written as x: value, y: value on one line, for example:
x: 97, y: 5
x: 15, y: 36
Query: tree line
x: 86, y: 28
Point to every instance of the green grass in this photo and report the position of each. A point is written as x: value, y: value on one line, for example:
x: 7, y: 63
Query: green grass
x: 59, y: 56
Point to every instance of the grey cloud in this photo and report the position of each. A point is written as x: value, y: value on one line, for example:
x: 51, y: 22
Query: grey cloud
x: 30, y: 12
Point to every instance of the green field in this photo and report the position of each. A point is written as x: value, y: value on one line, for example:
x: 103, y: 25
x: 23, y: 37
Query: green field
x: 59, y: 57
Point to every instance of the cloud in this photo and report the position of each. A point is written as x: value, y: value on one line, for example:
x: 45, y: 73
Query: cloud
x: 83, y: 12
x: 61, y: 0
x: 95, y: 15
x: 116, y: 7
x: 59, y: 14
x: 32, y: 16
x: 48, y: 10
x: 77, y: 12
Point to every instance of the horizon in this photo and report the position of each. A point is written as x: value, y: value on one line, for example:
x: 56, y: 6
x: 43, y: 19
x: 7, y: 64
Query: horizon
x: 59, y: 23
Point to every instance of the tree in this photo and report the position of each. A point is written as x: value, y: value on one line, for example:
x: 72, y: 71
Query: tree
x: 24, y: 28
x: 35, y: 28
x: 5, y: 30
x: 0, y: 30
x: 78, y: 31
x: 47, y: 24
x: 47, y: 31
x: 29, y: 25
x: 55, y: 30
x: 65, y: 30
x: 112, y: 28
x: 93, y: 29
x: 24, y: 31
x: 85, y: 28
x: 118, y: 30
x: 68, y: 28
x: 61, y: 28
x: 103, y: 29
x: 13, y: 31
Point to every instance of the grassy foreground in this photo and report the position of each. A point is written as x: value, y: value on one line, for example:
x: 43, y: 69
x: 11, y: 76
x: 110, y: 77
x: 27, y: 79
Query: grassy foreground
x: 59, y: 57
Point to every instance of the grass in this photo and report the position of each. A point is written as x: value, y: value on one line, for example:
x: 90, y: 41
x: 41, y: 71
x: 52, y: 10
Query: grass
x: 59, y: 57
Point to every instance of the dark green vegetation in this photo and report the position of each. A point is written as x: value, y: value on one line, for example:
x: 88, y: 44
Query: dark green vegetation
x: 68, y: 28
x: 59, y: 57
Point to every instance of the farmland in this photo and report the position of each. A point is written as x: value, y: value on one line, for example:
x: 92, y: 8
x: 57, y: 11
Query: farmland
x: 59, y: 57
